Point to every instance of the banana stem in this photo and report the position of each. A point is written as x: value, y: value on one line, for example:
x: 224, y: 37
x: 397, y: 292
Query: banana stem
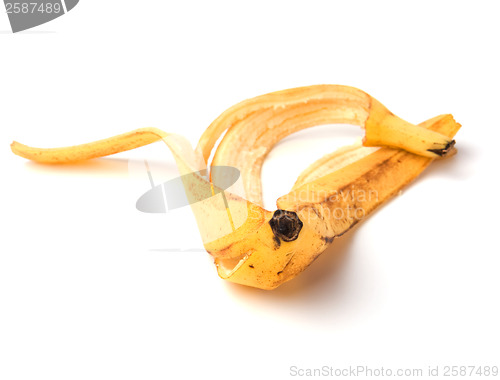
x: 382, y: 128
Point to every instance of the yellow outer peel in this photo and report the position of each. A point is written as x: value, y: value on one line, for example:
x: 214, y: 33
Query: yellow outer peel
x: 251, y: 254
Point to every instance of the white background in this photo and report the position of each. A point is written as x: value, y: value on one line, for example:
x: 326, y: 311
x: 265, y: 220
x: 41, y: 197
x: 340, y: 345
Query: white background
x: 89, y: 287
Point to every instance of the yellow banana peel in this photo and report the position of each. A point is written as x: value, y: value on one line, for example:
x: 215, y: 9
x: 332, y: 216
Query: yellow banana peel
x: 256, y: 247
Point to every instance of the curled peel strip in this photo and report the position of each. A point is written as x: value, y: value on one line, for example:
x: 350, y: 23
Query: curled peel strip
x: 260, y: 248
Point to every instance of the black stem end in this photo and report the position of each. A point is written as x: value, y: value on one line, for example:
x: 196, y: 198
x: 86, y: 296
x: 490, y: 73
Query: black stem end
x: 443, y: 152
x: 286, y: 225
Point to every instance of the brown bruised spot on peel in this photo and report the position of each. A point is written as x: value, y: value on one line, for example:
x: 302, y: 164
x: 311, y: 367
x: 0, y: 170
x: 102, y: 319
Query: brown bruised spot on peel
x: 277, y: 242
x: 328, y: 239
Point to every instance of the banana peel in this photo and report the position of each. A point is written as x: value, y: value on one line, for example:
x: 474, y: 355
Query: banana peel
x: 263, y: 249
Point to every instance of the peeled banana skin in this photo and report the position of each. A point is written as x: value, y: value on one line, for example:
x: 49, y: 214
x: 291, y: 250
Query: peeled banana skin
x: 263, y: 249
